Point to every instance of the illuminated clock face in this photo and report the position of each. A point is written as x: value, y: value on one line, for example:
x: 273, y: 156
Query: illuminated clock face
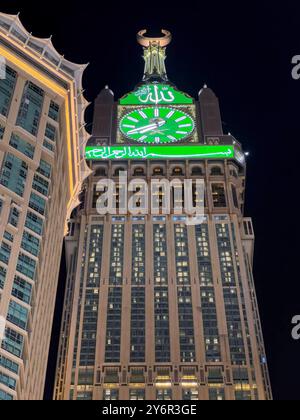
x: 157, y: 125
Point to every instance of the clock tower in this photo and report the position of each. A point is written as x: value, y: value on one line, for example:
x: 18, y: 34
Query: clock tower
x: 157, y: 308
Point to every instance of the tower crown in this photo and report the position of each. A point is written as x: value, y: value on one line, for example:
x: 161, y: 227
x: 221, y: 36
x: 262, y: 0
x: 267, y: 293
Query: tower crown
x: 154, y: 55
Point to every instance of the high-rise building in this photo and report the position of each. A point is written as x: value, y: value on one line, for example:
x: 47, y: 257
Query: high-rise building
x: 42, y: 165
x: 156, y: 307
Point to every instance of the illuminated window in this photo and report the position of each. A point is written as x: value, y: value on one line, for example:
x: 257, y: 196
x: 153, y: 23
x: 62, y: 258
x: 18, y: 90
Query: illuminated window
x: 136, y: 394
x: 218, y: 195
x: 158, y: 171
x: 139, y: 171
x: 110, y: 394
x: 177, y: 171
x: 164, y: 394
x: 190, y: 394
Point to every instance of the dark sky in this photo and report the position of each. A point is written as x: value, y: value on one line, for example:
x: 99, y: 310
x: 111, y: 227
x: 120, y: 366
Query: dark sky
x: 243, y: 51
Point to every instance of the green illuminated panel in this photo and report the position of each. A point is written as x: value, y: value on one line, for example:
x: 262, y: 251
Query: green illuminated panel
x: 159, y: 152
x: 157, y: 125
x: 155, y: 94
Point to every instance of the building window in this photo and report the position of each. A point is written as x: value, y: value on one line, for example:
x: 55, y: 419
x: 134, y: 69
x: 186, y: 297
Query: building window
x: 2, y: 129
x: 113, y: 325
x: 216, y: 394
x: 34, y: 223
x: 164, y: 394
x: 216, y: 171
x: 14, y: 215
x: 136, y: 394
x: 161, y: 295
x: 30, y: 244
x: 100, y: 172
x: 158, y: 171
x: 5, y: 251
x: 111, y: 394
x: 177, y: 171
x: 31, y: 108
x: 37, y: 203
x: 22, y: 146
x: 190, y: 394
x: 137, y: 331
x: 22, y: 290
x: 116, y: 254
x: 14, y: 174
x: 41, y: 185
x: 9, y: 364
x: 54, y: 111
x: 197, y: 171
x: 2, y: 276
x: 118, y: 171
x: 13, y: 342
x: 91, y: 302
x: 26, y: 266
x: 85, y: 395
x: 44, y: 169
x: 17, y: 315
x: 7, y: 86
x: 139, y: 172
x: 184, y: 295
x: 207, y: 294
x: 230, y: 294
x: 7, y: 381
x: 4, y: 396
x: 218, y: 195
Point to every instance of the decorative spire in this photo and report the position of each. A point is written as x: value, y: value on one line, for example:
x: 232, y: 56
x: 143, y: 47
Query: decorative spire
x: 154, y: 55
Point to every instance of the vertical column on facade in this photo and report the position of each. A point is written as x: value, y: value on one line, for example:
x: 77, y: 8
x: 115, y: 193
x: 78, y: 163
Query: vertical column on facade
x: 217, y: 281
x: 103, y: 302
x: 126, y: 305
x: 173, y: 306
x: 250, y: 311
x: 149, y: 284
x: 72, y: 348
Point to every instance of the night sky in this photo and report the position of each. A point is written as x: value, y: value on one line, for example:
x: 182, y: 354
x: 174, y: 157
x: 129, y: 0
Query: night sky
x: 243, y: 52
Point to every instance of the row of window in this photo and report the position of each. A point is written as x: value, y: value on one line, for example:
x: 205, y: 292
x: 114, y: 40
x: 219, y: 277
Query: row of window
x: 160, y: 171
x: 160, y: 195
x: 215, y: 394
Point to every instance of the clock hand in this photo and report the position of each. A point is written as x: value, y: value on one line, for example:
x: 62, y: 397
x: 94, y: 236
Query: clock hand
x: 145, y: 129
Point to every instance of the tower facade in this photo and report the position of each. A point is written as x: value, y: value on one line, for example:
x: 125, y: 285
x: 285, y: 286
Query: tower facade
x: 42, y: 166
x: 157, y: 307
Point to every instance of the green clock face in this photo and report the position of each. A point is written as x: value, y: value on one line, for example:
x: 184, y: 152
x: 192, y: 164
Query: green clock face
x: 157, y: 125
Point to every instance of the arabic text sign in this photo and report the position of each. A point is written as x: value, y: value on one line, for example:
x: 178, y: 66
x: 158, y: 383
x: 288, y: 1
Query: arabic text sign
x: 159, y: 152
x: 157, y: 94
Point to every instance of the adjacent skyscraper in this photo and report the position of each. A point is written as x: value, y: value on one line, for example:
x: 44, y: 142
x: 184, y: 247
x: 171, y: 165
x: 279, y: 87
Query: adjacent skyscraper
x: 158, y: 308
x: 42, y: 166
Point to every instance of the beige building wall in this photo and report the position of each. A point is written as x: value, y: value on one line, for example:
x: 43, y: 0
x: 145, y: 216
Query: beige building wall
x: 57, y: 141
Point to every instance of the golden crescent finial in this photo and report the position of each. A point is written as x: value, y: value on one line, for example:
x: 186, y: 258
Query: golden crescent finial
x: 146, y: 41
